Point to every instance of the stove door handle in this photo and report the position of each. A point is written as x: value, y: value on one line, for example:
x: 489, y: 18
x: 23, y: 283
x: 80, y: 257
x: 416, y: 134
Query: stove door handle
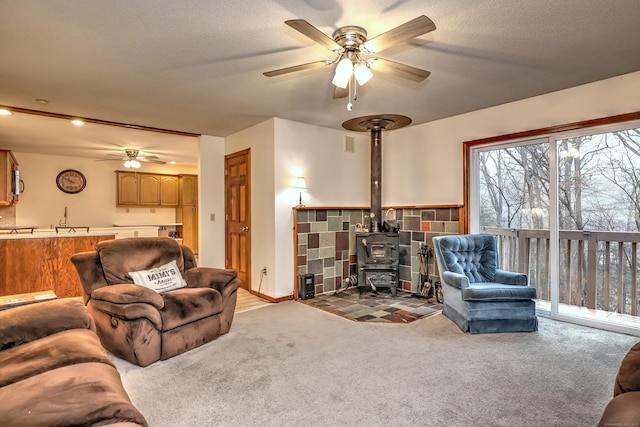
x: 366, y: 248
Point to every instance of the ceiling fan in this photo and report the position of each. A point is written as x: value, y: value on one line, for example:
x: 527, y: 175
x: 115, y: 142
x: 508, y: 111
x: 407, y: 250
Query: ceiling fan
x: 133, y: 158
x: 356, y: 54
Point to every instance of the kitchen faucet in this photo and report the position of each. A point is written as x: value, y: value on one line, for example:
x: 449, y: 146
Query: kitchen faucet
x: 65, y: 221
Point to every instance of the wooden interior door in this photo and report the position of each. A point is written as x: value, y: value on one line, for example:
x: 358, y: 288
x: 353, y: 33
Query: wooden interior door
x: 238, y: 215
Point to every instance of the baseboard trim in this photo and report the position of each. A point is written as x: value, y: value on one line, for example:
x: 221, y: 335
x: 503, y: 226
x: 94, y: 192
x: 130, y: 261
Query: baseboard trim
x: 270, y: 299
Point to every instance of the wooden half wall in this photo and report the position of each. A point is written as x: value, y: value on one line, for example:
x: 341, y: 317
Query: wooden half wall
x: 35, y: 264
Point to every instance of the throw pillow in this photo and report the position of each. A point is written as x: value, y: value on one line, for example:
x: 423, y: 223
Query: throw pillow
x: 161, y: 279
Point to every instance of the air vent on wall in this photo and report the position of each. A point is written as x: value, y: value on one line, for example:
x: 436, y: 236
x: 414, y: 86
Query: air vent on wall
x: 349, y: 146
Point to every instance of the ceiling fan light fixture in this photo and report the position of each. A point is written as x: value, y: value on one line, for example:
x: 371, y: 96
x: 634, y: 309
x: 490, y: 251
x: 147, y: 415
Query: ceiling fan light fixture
x: 132, y: 164
x: 343, y: 73
x: 132, y: 161
x: 350, y: 42
x: 363, y: 73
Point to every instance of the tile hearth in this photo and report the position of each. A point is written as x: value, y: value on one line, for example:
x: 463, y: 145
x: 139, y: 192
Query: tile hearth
x: 371, y: 307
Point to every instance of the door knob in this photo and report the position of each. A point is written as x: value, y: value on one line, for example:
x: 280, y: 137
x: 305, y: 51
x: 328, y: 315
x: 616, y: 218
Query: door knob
x: 245, y: 228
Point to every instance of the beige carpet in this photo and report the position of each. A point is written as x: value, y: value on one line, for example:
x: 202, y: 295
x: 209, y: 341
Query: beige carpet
x: 293, y: 365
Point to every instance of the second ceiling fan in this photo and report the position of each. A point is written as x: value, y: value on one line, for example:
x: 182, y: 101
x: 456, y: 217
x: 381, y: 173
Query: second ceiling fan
x: 132, y: 158
x: 356, y: 54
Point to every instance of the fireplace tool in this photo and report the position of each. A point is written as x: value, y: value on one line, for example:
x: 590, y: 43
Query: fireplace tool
x: 428, y: 288
x: 349, y: 282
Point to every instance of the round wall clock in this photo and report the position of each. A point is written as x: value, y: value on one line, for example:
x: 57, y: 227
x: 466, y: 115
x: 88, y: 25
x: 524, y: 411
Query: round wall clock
x: 71, y: 181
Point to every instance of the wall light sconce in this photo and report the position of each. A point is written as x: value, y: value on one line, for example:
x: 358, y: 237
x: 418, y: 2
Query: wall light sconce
x: 301, y: 185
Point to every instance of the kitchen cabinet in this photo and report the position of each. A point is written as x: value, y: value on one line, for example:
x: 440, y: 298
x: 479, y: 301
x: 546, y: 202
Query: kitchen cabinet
x: 187, y: 212
x: 188, y: 190
x: 139, y: 189
x: 127, y: 189
x: 158, y: 190
x: 149, y: 190
x: 169, y: 191
x: 8, y: 165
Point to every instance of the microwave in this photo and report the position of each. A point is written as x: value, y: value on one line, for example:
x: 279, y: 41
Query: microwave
x: 17, y: 185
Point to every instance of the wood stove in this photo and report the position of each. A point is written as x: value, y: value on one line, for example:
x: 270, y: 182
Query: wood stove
x: 377, y: 261
x: 377, y: 253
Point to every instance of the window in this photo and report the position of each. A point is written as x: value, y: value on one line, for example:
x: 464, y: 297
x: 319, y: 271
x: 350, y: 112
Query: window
x: 565, y: 205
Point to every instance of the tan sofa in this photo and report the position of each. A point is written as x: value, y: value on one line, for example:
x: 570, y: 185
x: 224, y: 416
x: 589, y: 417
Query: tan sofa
x: 624, y: 408
x: 141, y: 325
x: 54, y: 372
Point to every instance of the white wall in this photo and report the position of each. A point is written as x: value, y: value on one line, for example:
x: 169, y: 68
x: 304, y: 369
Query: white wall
x: 422, y: 164
x: 333, y: 177
x: 280, y: 151
x: 42, y: 203
x: 428, y: 157
x: 211, y: 201
x: 260, y: 140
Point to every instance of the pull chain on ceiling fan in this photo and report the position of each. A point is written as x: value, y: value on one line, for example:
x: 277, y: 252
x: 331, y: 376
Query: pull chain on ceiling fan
x: 356, y: 54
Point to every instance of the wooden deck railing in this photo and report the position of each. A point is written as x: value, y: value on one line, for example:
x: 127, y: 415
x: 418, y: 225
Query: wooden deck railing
x: 597, y: 269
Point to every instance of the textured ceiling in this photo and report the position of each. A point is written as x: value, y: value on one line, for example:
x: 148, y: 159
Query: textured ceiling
x: 196, y: 65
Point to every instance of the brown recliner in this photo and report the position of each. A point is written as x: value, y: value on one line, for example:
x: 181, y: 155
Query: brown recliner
x: 54, y: 372
x: 624, y: 408
x: 140, y: 325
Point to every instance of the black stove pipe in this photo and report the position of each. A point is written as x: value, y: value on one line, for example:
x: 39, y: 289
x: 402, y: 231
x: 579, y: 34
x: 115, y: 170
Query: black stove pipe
x: 376, y: 179
x: 375, y: 125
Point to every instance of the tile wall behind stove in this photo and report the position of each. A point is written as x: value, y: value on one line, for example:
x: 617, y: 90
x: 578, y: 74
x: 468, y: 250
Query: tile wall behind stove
x: 326, y: 242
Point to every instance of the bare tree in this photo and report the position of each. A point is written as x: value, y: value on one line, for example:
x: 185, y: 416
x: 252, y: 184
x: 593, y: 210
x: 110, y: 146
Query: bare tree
x: 533, y: 163
x: 623, y: 170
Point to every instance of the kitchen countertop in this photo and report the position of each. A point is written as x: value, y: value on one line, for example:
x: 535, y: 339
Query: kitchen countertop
x: 172, y: 224
x: 123, y: 230
x: 53, y: 234
x: 17, y: 227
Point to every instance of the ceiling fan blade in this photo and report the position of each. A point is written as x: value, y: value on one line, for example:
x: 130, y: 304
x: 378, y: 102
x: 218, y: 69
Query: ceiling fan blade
x: 297, y: 68
x: 339, y: 92
x: 150, y: 160
x: 110, y: 160
x: 402, y: 70
x: 313, y: 33
x: 414, y: 28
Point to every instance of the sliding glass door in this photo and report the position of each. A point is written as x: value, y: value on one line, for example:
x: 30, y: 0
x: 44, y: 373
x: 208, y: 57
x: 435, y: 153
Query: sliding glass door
x: 513, y: 204
x: 598, y: 222
x: 566, y: 210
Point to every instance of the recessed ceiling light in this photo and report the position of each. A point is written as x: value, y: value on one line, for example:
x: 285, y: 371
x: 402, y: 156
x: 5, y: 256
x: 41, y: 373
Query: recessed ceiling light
x: 5, y: 112
x: 172, y: 162
x: 42, y: 101
x: 77, y: 122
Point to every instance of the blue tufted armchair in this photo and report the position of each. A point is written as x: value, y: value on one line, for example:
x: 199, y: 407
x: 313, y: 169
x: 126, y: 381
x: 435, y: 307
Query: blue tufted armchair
x: 478, y: 296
